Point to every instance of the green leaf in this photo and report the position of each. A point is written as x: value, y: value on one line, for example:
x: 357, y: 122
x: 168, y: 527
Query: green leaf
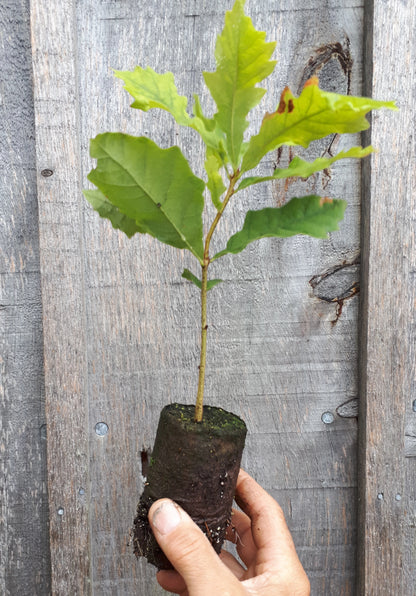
x: 312, y: 115
x: 152, y: 186
x: 303, y: 169
x: 191, y: 277
x: 209, y: 131
x: 209, y: 123
x: 242, y: 58
x: 212, y: 283
x: 118, y: 220
x: 312, y: 215
x: 215, y: 184
x: 152, y: 90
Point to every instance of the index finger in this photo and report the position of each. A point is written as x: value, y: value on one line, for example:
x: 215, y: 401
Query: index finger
x: 268, y: 524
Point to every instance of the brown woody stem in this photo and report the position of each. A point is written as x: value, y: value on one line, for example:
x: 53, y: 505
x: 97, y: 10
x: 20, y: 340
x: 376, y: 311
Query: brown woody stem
x: 199, y: 408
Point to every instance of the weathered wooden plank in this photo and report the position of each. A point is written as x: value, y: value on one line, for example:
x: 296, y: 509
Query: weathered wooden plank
x: 62, y: 268
x: 328, y: 549
x: 121, y: 331
x: 387, y: 478
x: 277, y: 356
x: 24, y: 540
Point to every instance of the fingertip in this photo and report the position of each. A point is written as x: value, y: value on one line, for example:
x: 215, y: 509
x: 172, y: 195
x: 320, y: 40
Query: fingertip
x: 244, y: 479
x: 164, y: 516
x: 155, y: 506
x: 188, y: 549
x: 242, y: 474
x: 171, y: 581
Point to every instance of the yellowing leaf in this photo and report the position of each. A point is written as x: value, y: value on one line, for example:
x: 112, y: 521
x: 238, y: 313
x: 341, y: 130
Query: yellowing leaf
x: 313, y: 115
x: 215, y: 182
x: 243, y: 60
x: 208, y: 129
x: 303, y: 169
x: 152, y: 90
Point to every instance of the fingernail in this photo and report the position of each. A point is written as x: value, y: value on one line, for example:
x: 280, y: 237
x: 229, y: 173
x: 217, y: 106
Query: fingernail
x: 166, y: 518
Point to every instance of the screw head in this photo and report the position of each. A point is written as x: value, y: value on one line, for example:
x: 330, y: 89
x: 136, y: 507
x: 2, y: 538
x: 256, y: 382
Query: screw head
x: 60, y: 511
x: 327, y: 418
x: 46, y: 173
x: 101, y: 429
x: 380, y: 496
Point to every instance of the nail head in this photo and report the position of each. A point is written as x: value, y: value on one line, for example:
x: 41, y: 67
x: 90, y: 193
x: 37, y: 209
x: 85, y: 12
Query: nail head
x: 60, y: 511
x: 327, y: 418
x: 101, y: 429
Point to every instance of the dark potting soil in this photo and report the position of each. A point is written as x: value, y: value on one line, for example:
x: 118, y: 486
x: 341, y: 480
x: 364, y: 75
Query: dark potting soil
x: 196, y: 465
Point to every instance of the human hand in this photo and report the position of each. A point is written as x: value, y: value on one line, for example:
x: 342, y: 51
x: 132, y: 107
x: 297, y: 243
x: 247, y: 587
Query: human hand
x: 263, y: 540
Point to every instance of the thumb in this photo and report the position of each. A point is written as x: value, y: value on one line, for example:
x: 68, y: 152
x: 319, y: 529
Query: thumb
x: 190, y: 552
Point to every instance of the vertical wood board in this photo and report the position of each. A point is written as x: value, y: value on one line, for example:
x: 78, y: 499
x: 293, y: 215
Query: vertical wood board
x: 387, y: 562
x: 62, y: 269
x: 24, y: 541
x: 127, y: 335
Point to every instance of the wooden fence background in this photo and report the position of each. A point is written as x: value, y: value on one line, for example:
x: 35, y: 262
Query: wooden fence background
x: 98, y: 332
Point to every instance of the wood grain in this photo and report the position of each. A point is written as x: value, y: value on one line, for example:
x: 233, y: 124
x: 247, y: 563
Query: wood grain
x: 24, y: 540
x: 387, y: 478
x: 121, y: 336
x: 62, y: 269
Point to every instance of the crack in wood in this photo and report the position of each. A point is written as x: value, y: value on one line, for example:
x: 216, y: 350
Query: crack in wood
x: 348, y: 409
x: 337, y: 284
x: 324, y: 54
